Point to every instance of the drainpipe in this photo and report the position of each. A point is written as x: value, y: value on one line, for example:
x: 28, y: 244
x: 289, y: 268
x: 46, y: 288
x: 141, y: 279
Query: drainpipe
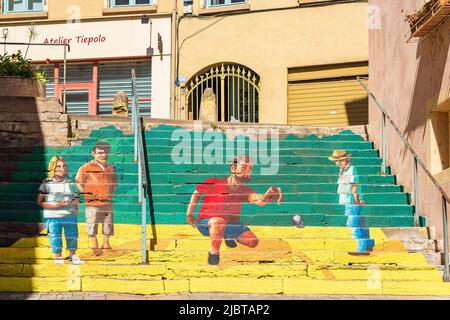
x: 173, y: 60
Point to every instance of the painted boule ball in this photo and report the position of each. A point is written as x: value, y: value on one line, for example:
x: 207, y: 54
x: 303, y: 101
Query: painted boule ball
x: 297, y: 221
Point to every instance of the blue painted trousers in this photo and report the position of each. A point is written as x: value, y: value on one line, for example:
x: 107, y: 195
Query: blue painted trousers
x: 357, y: 222
x: 55, y: 227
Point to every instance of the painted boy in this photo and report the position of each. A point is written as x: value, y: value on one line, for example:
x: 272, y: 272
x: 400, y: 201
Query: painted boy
x: 348, y: 196
x: 97, y: 180
x: 219, y: 215
x: 58, y: 197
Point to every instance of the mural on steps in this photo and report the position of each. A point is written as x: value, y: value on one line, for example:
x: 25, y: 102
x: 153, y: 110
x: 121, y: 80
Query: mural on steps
x: 349, y: 196
x: 306, y: 185
x: 59, y: 199
x: 219, y: 215
x: 97, y: 181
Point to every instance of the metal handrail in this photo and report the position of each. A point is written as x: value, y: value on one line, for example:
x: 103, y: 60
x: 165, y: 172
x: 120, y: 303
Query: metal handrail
x: 417, y: 160
x: 139, y: 157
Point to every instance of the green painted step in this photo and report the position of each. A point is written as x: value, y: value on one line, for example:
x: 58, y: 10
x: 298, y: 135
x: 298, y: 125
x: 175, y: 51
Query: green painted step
x: 33, y: 166
x: 346, y: 135
x: 371, y: 198
x: 282, y: 143
x: 169, y: 131
x: 42, y: 160
x: 317, y: 219
x: 188, y: 188
x: 302, y: 208
x: 39, y: 153
x: 26, y: 177
x: 33, y: 187
x: 277, y: 179
x: 82, y: 158
x: 293, y: 187
x: 282, y: 159
x: 221, y: 169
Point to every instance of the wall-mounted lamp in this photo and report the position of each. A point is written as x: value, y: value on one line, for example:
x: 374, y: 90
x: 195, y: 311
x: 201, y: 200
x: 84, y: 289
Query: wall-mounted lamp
x: 145, y: 19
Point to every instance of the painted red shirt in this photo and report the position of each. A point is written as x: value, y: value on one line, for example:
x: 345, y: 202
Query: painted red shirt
x: 222, y: 200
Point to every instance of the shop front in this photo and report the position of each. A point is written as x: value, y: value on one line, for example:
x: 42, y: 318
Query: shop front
x: 100, y: 58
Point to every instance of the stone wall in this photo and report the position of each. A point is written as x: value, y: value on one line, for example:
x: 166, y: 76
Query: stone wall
x: 32, y: 121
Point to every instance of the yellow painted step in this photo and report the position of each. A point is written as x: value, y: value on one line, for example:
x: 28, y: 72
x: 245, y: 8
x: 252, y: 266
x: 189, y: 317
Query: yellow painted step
x: 263, y: 253
x: 187, y: 271
x: 226, y: 285
x: 204, y: 244
x: 27, y: 255
x: 269, y: 232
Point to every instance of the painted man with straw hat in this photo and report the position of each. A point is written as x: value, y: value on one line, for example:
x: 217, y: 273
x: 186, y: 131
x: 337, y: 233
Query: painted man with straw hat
x: 348, y: 196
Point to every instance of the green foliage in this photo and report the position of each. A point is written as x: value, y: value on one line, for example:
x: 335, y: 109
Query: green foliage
x: 16, y: 65
x: 415, y: 17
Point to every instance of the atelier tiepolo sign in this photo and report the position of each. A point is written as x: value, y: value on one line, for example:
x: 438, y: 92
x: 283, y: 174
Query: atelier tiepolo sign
x: 125, y: 38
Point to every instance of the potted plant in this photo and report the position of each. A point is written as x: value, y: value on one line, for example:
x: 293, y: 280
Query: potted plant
x: 420, y: 14
x: 19, y: 77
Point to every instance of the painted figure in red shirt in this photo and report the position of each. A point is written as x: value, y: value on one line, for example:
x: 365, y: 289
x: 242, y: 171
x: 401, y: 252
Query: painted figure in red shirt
x: 219, y: 215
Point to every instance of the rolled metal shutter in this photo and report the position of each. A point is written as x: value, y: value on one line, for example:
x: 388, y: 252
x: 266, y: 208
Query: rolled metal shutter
x: 116, y: 76
x: 328, y: 96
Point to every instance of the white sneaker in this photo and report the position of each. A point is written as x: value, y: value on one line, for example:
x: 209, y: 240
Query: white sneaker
x: 76, y: 260
x: 59, y: 260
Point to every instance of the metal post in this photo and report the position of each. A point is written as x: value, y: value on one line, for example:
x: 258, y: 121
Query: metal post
x: 144, y: 230
x: 444, y: 221
x: 140, y: 164
x: 416, y: 194
x: 383, y: 144
x: 64, y: 85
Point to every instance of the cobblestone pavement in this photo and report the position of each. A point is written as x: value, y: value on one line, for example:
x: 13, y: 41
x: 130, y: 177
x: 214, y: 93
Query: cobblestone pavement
x: 216, y: 296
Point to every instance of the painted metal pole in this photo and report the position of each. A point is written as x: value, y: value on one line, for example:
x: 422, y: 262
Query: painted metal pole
x: 445, y: 226
x: 416, y: 193
x: 140, y: 164
x: 135, y: 129
x: 64, y: 85
x: 144, y: 230
x: 383, y: 144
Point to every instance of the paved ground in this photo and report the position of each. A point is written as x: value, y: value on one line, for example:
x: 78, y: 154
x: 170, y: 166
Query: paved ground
x: 217, y: 296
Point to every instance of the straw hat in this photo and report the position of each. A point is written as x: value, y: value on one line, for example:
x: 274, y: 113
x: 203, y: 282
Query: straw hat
x: 339, y: 155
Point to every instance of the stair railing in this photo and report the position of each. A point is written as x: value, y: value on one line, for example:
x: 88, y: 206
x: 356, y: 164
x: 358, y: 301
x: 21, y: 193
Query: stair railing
x: 139, y: 157
x: 417, y: 160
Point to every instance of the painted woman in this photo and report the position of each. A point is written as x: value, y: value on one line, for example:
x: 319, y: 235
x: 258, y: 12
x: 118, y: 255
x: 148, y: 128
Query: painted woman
x: 58, y: 197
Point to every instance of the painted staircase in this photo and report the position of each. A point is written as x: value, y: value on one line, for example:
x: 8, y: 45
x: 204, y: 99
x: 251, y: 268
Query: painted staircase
x: 288, y: 260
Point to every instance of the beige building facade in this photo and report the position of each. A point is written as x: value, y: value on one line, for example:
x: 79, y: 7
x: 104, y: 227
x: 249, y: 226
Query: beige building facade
x: 410, y: 76
x: 279, y: 62
x: 300, y: 53
x: 106, y: 40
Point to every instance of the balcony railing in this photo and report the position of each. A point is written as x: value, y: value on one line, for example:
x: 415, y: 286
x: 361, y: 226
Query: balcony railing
x: 434, y: 17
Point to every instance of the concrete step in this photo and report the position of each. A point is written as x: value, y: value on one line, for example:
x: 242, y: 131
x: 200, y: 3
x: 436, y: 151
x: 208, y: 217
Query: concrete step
x: 317, y: 198
x: 270, y: 209
x: 41, y: 154
x: 76, y: 283
x: 83, y: 122
x: 287, y: 260
x: 268, y: 244
x: 316, y: 219
x: 188, y: 188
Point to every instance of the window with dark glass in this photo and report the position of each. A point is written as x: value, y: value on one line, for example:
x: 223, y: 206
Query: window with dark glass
x: 219, y: 3
x: 17, y: 6
x: 125, y: 3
